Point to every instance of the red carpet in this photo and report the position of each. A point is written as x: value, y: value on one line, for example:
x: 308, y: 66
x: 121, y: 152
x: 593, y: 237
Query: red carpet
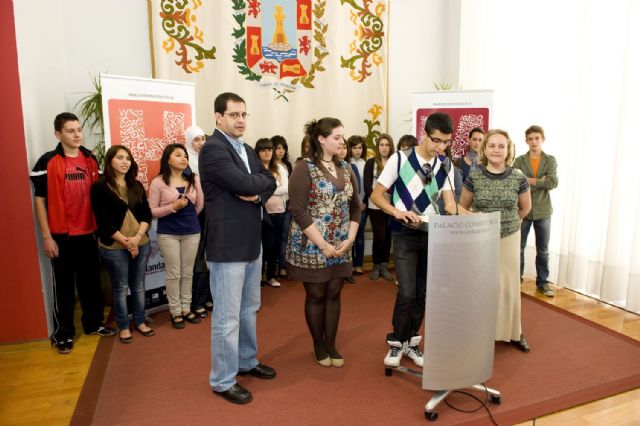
x: 164, y: 379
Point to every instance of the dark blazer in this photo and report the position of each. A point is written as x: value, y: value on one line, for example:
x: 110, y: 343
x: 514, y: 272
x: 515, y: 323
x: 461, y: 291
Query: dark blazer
x: 233, y: 226
x: 109, y: 210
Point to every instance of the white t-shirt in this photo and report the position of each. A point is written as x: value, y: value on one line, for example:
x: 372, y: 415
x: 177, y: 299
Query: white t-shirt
x: 389, y: 174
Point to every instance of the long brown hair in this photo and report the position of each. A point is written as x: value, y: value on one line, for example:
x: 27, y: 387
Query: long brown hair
x: 378, y: 158
x: 134, y: 188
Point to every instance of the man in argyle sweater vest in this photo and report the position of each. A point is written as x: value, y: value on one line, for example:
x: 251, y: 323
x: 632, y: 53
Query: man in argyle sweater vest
x: 417, y: 177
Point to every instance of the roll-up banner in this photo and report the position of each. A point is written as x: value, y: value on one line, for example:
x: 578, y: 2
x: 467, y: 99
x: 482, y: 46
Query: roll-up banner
x: 468, y: 109
x: 145, y: 115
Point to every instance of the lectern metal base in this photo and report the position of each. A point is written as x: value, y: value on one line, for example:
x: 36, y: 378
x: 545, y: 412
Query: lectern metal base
x: 430, y: 409
x: 439, y: 396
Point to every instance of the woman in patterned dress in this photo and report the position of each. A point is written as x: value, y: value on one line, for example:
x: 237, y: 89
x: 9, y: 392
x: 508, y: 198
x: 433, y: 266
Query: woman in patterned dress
x: 326, y: 212
x: 495, y: 186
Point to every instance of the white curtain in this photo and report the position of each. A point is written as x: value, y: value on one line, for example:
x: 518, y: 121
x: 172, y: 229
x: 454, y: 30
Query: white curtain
x: 572, y: 67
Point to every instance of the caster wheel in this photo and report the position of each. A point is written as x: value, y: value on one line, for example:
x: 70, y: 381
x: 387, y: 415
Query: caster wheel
x: 388, y: 372
x: 496, y: 399
x: 432, y: 416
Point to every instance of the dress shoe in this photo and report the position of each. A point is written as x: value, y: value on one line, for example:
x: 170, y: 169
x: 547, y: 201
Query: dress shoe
x: 522, y: 344
x: 236, y: 394
x: 147, y: 333
x: 337, y: 362
x: 325, y: 362
x: 260, y: 371
x: 125, y: 340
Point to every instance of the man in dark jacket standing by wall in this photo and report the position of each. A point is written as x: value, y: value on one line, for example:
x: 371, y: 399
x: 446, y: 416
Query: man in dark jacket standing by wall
x: 235, y: 186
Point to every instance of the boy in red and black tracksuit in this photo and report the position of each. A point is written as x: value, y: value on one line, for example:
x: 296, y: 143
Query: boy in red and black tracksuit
x: 62, y: 180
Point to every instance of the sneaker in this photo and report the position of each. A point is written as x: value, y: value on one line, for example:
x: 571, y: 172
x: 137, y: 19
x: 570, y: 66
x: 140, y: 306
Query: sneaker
x: 394, y: 355
x: 103, y: 331
x: 546, y: 290
x: 350, y: 279
x: 62, y: 346
x: 273, y: 283
x: 412, y: 351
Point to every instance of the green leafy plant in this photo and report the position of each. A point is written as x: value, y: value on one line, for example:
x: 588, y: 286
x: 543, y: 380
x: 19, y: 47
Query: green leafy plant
x: 90, y: 109
x: 445, y: 85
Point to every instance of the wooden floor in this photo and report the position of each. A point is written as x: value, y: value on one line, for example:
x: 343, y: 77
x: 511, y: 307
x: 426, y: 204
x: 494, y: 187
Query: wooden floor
x: 40, y: 387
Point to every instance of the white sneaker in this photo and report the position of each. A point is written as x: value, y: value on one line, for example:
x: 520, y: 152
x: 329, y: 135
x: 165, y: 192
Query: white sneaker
x: 412, y: 351
x: 273, y: 283
x: 394, y: 355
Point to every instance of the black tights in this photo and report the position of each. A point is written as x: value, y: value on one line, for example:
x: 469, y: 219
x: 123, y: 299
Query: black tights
x: 322, y: 311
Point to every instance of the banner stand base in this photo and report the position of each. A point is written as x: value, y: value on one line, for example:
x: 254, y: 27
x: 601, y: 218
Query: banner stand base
x: 439, y: 396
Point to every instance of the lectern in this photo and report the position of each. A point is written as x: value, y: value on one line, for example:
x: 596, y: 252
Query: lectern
x: 460, y: 312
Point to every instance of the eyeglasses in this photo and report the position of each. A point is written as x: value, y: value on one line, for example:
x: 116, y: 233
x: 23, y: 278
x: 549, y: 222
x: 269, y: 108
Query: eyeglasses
x: 439, y: 141
x: 236, y: 115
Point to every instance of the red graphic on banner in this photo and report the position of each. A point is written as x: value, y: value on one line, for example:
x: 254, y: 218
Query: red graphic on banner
x: 464, y: 119
x: 254, y: 45
x: 291, y: 68
x: 146, y: 128
x: 304, y: 15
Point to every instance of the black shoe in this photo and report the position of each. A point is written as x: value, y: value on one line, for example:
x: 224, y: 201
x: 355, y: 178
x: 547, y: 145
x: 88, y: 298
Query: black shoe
x: 350, y: 279
x: 236, y: 394
x: 63, y: 346
x: 125, y: 340
x: 148, y: 333
x: 260, y: 371
x: 522, y: 344
x: 192, y: 318
x: 103, y: 331
x: 202, y: 314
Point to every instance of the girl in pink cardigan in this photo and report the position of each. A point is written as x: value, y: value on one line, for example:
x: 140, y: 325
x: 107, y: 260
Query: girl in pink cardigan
x: 176, y: 198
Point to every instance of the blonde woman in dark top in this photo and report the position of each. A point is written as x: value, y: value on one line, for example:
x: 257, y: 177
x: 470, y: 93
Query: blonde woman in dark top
x: 326, y: 211
x: 496, y: 186
x: 122, y: 214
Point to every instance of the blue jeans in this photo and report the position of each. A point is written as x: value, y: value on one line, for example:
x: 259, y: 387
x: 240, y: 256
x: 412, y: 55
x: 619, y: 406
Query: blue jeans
x: 410, y: 249
x: 542, y: 230
x: 127, y: 273
x: 358, y: 247
x: 235, y: 287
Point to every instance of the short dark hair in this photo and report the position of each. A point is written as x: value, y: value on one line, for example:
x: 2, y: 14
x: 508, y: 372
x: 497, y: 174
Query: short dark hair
x: 220, y: 104
x: 534, y: 129
x: 476, y: 130
x: 354, y: 141
x: 62, y: 118
x: 438, y: 121
x: 262, y: 144
x: 409, y: 141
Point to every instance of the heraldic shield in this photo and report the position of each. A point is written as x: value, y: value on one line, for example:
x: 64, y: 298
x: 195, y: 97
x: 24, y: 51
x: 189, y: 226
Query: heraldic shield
x: 279, y: 37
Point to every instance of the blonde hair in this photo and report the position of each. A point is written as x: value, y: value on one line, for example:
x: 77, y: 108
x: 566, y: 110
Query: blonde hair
x: 511, y: 149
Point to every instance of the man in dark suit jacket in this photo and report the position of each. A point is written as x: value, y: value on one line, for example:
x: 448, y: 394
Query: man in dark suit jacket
x: 235, y: 186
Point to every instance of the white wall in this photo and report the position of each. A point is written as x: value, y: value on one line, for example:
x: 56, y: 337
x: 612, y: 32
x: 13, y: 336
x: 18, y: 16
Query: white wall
x: 418, y: 55
x: 61, y: 44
